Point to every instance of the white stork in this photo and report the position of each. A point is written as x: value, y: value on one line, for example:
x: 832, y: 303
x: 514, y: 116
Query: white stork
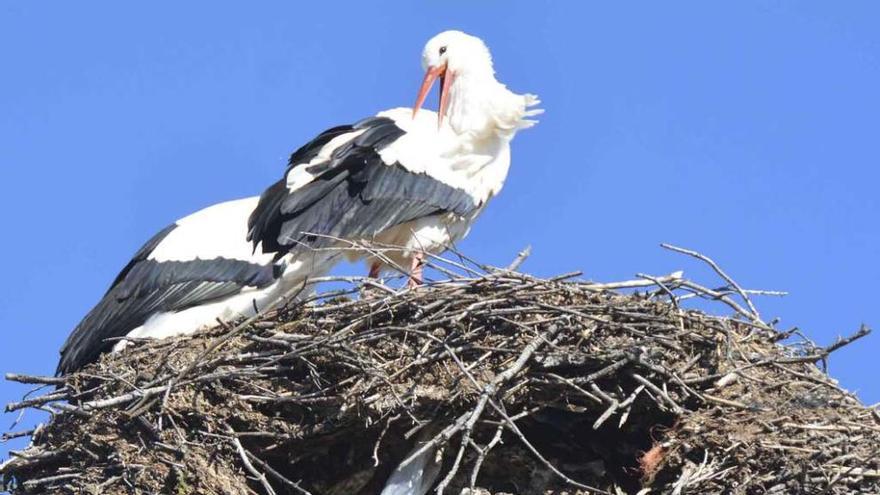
x: 191, y: 273
x: 405, y: 177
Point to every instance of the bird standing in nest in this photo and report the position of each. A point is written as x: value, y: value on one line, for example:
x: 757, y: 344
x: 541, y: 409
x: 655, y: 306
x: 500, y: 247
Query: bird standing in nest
x: 407, y: 177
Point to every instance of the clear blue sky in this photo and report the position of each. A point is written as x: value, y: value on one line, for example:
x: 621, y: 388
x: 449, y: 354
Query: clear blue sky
x: 748, y: 131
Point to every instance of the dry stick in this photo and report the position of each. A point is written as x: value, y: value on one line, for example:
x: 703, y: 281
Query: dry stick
x: 373, y: 248
x: 31, y: 379
x: 842, y: 473
x: 138, y: 394
x: 627, y: 405
x: 614, y: 406
x: 713, y: 294
x: 607, y: 370
x: 466, y: 422
x: 515, y: 429
x: 720, y: 272
x: 438, y: 439
x: 472, y: 415
x: 30, y: 484
x: 573, y: 385
x: 863, y: 331
x: 219, y: 342
x: 520, y: 259
x: 487, y: 270
x: 250, y: 467
x: 36, y: 401
x: 470, y: 271
x: 632, y: 284
x: 466, y: 435
x: 388, y: 422
x: 490, y: 389
x: 657, y: 390
x: 478, y: 463
x: 354, y: 280
x: 5, y: 437
x: 445, y: 271
x: 280, y: 477
x: 444, y: 311
x: 662, y: 285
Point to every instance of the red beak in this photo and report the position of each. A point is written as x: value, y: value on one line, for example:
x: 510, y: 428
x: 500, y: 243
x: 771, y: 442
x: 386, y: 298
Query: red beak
x: 430, y: 76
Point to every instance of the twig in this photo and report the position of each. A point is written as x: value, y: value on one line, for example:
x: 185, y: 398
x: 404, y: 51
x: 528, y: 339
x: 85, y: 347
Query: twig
x: 32, y: 379
x: 245, y: 459
x: 473, y: 361
x: 754, y: 311
x: 841, y: 342
x: 520, y: 258
x: 633, y: 284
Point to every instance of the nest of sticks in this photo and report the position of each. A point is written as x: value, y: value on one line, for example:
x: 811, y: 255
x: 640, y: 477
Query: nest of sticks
x: 513, y: 384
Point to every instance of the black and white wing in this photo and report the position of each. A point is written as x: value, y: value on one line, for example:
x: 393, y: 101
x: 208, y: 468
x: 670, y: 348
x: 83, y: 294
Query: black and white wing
x: 149, y: 285
x: 338, y: 186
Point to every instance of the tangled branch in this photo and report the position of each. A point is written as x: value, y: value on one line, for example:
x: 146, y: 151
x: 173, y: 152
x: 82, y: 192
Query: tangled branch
x: 516, y: 384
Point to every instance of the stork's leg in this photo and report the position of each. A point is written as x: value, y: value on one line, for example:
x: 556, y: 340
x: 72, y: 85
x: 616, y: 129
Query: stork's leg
x: 416, y: 269
x: 375, y: 269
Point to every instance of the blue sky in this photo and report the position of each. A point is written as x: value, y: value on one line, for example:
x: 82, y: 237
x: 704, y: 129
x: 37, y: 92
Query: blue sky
x: 748, y: 131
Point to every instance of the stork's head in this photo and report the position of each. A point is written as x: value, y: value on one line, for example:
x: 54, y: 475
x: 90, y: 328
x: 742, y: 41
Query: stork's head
x: 457, y: 52
x: 448, y: 56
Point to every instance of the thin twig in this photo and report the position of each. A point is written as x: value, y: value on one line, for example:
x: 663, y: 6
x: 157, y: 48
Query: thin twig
x: 720, y: 272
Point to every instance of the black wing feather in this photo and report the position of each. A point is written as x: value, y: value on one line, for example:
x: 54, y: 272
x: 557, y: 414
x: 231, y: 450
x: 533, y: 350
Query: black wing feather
x: 143, y: 253
x: 147, y: 287
x: 309, y: 150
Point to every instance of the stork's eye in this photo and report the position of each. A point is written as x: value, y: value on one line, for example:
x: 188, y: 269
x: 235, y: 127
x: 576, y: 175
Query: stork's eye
x: 442, y: 50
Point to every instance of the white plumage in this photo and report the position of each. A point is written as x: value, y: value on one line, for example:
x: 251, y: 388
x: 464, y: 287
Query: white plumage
x: 218, y: 231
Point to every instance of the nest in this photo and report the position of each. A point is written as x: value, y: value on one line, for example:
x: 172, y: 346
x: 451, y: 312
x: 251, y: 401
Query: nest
x: 511, y: 383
